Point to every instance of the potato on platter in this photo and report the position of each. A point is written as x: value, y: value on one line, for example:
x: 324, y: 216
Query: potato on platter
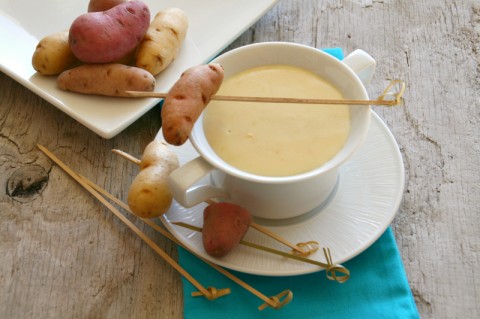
x: 129, y: 58
x: 149, y: 195
x: 103, y: 5
x: 186, y: 100
x: 53, y: 55
x: 111, y: 79
x: 224, y: 225
x: 107, y: 36
x: 163, y: 40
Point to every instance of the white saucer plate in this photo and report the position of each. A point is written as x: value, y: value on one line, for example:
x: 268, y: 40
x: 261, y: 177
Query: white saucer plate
x: 213, y: 24
x: 368, y: 194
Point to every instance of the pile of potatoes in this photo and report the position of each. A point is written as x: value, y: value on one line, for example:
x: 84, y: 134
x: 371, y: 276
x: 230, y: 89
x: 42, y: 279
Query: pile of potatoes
x: 113, y: 48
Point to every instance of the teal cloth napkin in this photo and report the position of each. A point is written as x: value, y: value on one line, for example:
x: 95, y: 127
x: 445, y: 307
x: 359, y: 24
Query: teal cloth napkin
x: 377, y: 288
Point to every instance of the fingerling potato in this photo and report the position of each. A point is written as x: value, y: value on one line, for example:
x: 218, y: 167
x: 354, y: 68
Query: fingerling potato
x: 111, y: 79
x: 224, y: 225
x: 103, y: 5
x: 107, y: 36
x: 149, y: 195
x: 53, y: 55
x: 163, y: 40
x: 186, y: 100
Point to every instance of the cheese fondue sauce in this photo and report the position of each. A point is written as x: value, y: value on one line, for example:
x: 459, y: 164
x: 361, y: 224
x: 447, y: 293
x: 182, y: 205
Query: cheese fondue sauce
x: 274, y: 139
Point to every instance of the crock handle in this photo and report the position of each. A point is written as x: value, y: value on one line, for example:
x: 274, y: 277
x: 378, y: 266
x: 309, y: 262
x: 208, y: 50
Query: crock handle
x: 182, y: 184
x: 362, y: 64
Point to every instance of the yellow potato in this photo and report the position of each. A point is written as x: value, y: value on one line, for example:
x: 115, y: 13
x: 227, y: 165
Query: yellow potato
x: 53, y: 55
x: 149, y: 195
x: 163, y: 40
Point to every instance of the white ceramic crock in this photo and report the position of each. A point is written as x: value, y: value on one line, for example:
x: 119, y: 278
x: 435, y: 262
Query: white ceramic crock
x: 277, y: 197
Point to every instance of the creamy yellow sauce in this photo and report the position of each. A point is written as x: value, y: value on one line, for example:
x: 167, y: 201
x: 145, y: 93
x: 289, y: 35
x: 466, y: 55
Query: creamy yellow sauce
x: 274, y: 139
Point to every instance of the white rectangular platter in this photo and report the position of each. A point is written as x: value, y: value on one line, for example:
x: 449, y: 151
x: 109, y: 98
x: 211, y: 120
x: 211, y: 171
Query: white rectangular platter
x: 213, y: 24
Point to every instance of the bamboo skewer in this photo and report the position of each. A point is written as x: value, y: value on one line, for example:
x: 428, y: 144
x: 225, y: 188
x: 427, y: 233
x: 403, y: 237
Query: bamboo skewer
x: 387, y: 98
x: 330, y: 268
x: 210, y: 293
x: 297, y: 249
x: 131, y: 158
x: 267, y: 300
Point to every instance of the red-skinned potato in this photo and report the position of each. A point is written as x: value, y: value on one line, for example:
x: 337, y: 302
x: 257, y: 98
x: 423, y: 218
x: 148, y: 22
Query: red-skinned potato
x: 103, y: 5
x: 224, y: 225
x: 186, y: 100
x: 107, y: 36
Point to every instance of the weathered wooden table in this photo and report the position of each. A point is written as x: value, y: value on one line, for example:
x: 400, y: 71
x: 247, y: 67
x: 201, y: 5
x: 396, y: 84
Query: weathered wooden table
x: 63, y: 255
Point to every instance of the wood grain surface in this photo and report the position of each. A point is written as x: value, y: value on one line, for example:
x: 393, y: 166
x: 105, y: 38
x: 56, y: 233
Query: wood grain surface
x: 65, y: 256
